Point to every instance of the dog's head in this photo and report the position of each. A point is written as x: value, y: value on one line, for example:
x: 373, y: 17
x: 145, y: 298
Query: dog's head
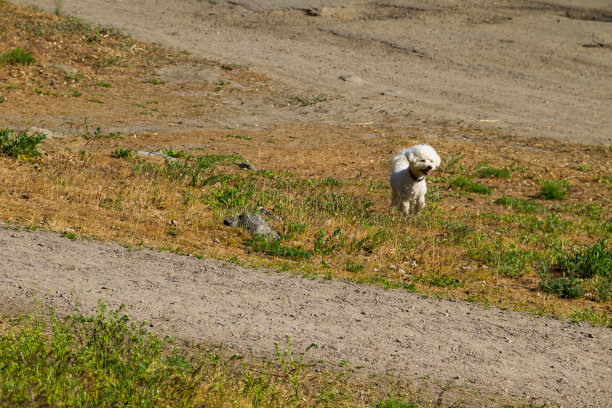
x: 423, y: 160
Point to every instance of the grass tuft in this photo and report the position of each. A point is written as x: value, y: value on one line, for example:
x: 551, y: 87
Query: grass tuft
x: 554, y: 189
x: 467, y: 184
x: 16, y: 57
x: 274, y: 248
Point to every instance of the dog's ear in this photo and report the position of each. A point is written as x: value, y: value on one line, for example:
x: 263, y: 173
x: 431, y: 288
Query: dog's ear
x: 410, y: 155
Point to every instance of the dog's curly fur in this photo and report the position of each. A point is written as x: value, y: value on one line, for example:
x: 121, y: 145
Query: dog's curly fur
x: 408, y: 170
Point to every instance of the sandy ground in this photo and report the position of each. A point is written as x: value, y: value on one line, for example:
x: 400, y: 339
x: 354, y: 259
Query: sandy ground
x: 528, y: 68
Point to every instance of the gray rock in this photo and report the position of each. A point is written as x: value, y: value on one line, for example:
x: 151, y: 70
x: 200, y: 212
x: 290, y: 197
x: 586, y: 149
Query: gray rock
x: 254, y: 224
x: 247, y: 166
x: 156, y: 154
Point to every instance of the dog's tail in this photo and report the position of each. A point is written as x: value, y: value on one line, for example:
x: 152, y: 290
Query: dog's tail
x: 399, y: 161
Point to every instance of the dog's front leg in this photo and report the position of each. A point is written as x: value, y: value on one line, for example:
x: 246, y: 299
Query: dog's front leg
x: 406, y: 207
x: 420, y: 204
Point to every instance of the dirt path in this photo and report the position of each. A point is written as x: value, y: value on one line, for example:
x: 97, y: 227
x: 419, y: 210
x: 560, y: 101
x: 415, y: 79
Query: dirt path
x: 382, y: 330
x: 530, y: 68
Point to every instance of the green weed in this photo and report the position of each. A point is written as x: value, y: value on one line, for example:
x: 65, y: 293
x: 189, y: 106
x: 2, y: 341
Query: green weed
x: 588, y: 315
x: 571, y: 267
x: 467, y: 184
x: 274, y: 248
x: 491, y: 172
x: 20, y: 144
x: 16, y: 56
x: 568, y: 288
x: 122, y: 153
x: 554, y: 189
x: 154, y: 81
x: 177, y: 155
x: 292, y: 366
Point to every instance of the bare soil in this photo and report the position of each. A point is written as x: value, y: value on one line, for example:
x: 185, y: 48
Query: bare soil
x: 520, y: 70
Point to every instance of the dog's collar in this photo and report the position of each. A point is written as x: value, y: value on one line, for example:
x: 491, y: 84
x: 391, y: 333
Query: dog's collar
x: 415, y: 178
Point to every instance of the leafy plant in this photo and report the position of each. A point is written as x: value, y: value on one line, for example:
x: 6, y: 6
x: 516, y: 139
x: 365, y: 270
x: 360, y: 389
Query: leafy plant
x: 576, y: 264
x: 17, y: 57
x: 564, y: 287
x: 20, y: 144
x: 177, y: 155
x: 554, y: 189
x: 122, y: 153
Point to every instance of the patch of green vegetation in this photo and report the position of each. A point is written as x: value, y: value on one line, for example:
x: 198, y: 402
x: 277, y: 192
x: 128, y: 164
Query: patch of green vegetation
x: 491, y: 172
x: 122, y: 153
x: 350, y: 266
x: 591, y: 317
x: 70, y: 235
x: 519, y: 204
x: 554, y: 189
x: 309, y: 100
x: 292, y: 229
x: 574, y: 266
x: 444, y: 281
x: 95, y: 100
x: 76, y: 93
x: 387, y: 284
x: 16, y: 56
x: 98, y: 361
x: 325, y: 244
x: 103, y: 84
x: 97, y: 133
x: 273, y: 247
x: 154, y: 81
x: 468, y: 184
x: 20, y: 144
x: 172, y: 153
x: 396, y: 402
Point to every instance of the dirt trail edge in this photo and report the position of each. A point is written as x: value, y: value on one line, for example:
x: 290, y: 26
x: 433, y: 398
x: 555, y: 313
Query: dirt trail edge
x: 379, y: 329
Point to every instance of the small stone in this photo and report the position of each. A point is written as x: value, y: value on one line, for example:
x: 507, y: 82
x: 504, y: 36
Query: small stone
x: 247, y: 166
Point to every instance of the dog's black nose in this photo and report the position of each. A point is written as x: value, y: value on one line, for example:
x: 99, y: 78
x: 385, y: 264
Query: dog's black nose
x: 429, y: 167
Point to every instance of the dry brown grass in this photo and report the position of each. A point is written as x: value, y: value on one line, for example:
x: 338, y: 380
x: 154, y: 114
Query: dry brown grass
x: 78, y: 187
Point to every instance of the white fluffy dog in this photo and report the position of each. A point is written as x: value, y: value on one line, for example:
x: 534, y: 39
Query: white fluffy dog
x: 408, y: 170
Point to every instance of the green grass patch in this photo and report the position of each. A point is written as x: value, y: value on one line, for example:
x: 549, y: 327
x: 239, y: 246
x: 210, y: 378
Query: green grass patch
x: 154, y: 81
x: 491, y: 172
x: 16, y: 56
x: 20, y: 144
x: 554, y: 189
x: 469, y: 185
x: 275, y: 248
x: 576, y: 266
x: 519, y: 204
